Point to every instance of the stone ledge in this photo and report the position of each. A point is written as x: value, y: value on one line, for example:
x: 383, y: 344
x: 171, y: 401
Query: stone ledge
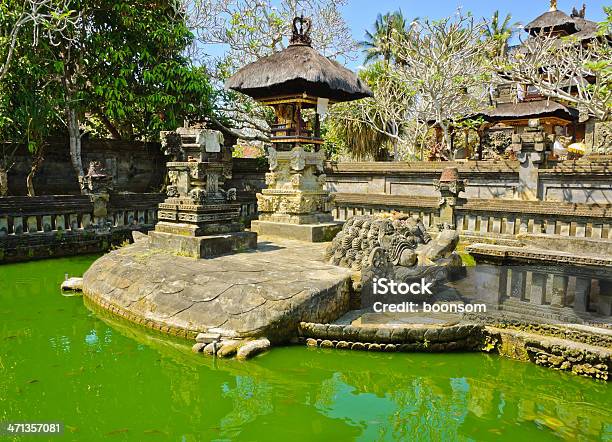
x: 527, y: 254
x: 323, y: 232
x: 579, y: 358
x: 388, y: 168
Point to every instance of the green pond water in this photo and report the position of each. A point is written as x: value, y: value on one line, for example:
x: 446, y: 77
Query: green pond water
x: 110, y: 381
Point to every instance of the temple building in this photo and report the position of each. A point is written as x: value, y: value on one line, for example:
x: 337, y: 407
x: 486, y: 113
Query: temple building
x: 515, y: 105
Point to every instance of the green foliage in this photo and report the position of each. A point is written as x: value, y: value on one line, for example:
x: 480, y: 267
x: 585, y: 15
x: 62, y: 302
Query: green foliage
x: 28, y: 100
x: 500, y: 33
x: 380, y: 43
x: 136, y: 75
x: 120, y: 66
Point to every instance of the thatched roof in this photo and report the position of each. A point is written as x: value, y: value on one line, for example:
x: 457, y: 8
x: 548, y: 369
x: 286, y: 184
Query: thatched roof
x: 295, y: 70
x: 552, y: 19
x: 530, y: 109
x: 586, y: 28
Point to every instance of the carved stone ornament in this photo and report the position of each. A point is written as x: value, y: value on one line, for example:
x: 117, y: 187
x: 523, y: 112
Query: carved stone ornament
x: 298, y: 158
x: 97, y: 180
x: 272, y: 158
x: 301, y: 31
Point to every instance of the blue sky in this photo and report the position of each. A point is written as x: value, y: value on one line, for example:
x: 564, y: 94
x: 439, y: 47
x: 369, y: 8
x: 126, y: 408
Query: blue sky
x: 361, y: 14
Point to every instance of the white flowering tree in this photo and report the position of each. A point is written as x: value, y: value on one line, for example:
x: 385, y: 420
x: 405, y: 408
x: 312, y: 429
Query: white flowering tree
x: 444, y: 61
x: 565, y: 68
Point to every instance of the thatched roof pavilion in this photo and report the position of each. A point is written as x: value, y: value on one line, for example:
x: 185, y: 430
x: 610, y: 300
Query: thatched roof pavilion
x: 298, y: 69
x: 550, y: 20
x: 530, y: 109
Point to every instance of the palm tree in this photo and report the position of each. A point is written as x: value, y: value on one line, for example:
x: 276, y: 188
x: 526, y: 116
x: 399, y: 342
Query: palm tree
x: 500, y: 32
x: 379, y: 43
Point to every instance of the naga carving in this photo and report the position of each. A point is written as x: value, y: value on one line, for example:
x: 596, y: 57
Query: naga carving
x: 394, y: 246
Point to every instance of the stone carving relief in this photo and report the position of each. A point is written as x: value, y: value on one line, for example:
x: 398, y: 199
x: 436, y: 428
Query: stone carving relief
x: 603, y: 138
x: 298, y: 158
x: 295, y: 190
x: 272, y: 158
x: 496, y: 143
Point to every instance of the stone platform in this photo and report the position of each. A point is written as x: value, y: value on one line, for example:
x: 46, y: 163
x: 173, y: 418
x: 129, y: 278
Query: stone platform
x: 320, y: 232
x: 260, y: 293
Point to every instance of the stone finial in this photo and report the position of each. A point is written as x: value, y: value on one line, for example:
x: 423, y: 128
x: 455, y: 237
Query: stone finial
x: 553, y: 5
x: 449, y: 184
x: 449, y: 174
x: 301, y: 31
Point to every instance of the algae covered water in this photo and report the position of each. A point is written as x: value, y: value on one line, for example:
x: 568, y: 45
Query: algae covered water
x: 106, y: 380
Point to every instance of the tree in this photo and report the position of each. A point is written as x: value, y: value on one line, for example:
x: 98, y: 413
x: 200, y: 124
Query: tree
x: 564, y: 68
x: 444, y: 62
x: 500, y: 33
x: 31, y: 102
x: 28, y: 108
x: 380, y: 43
x: 117, y: 67
x: 46, y: 19
x: 385, y: 120
x: 26, y: 26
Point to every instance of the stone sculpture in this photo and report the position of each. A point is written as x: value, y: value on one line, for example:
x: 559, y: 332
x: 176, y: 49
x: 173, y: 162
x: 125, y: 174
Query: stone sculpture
x: 394, y: 246
x: 199, y: 218
x: 603, y: 138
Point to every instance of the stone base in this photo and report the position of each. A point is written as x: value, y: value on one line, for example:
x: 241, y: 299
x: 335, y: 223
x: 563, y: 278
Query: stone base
x: 186, y: 229
x: 287, y: 218
x: 204, y: 246
x: 263, y: 293
x: 303, y: 232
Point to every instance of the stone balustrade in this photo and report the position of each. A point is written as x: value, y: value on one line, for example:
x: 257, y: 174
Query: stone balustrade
x: 487, y: 218
x: 546, y: 291
x: 49, y: 226
x: 478, y: 219
x: 25, y: 215
x: 351, y: 204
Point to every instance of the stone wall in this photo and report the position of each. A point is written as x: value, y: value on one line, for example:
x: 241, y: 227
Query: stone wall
x: 248, y: 178
x: 135, y: 167
x: 485, y: 179
x: 576, y: 195
x: 577, y: 182
x: 583, y: 181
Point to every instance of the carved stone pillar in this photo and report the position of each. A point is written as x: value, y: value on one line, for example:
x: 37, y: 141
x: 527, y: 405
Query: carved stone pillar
x: 296, y: 204
x: 295, y: 193
x: 99, y: 185
x: 530, y: 149
x: 199, y: 218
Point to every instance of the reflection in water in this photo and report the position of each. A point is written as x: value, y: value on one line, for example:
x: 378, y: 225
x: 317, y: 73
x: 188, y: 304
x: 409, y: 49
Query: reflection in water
x: 102, y: 377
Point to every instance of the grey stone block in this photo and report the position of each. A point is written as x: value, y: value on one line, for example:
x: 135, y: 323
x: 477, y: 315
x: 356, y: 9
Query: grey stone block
x: 302, y: 232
